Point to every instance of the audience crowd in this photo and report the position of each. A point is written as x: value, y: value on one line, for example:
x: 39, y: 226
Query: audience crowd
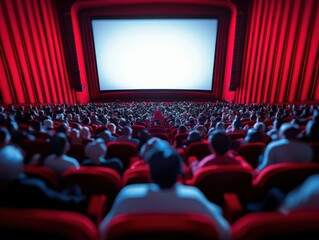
x: 163, y: 134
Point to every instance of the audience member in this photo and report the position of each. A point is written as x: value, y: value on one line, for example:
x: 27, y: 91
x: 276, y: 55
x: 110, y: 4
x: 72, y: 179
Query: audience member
x: 96, y: 152
x: 221, y: 154
x: 287, y: 149
x: 20, y: 191
x: 58, y: 161
x: 164, y: 195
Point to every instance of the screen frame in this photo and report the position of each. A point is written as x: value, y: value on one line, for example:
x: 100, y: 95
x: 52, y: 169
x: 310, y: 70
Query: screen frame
x: 83, y: 12
x: 155, y: 17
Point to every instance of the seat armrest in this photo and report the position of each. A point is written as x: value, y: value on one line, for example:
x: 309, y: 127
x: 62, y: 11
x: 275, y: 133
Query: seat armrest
x: 96, y: 208
x: 233, y: 208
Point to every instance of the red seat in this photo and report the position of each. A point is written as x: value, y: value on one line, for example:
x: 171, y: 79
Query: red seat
x: 44, y: 173
x: 197, y: 149
x: 236, y: 135
x: 215, y: 181
x: 45, y: 224
x: 139, y: 174
x: 95, y: 181
x: 161, y: 226
x: 136, y: 130
x: 122, y: 150
x: 251, y: 152
x: 286, y: 176
x: 180, y: 138
x: 162, y: 136
x: 274, y: 225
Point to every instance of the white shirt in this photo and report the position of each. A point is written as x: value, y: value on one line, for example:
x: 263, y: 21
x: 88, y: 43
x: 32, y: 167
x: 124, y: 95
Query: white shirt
x: 60, y: 164
x: 285, y: 150
x: 149, y: 198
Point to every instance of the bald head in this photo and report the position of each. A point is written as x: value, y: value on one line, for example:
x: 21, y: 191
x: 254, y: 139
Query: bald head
x: 11, y: 163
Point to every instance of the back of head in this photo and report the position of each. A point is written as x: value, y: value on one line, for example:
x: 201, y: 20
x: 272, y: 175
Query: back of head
x: 260, y: 127
x: 106, y: 135
x: 95, y: 150
x: 289, y: 131
x: 127, y: 131
x: 253, y: 136
x: 165, y: 165
x: 220, y: 126
x: 59, y: 144
x: 11, y: 163
x: 85, y: 133
x: 220, y: 142
x: 194, y: 136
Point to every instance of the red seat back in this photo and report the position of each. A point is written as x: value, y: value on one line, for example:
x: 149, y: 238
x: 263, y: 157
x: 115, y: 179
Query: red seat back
x: 32, y: 147
x: 286, y: 176
x: 161, y: 226
x: 251, y: 152
x: 44, y: 173
x: 180, y: 138
x: 298, y: 225
x: 45, y: 224
x: 215, y: 181
x: 198, y: 149
x: 95, y: 181
x: 137, y: 175
x: 122, y: 150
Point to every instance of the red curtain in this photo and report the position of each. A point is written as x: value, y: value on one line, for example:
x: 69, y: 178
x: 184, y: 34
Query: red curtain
x: 281, y: 61
x: 32, y: 61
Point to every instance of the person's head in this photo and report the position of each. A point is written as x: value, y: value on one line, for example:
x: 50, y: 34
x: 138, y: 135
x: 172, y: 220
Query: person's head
x: 127, y: 131
x: 165, y: 165
x: 11, y: 163
x: 236, y: 124
x: 48, y: 124
x: 59, y: 144
x: 312, y: 130
x: 149, y: 145
x: 260, y: 127
x: 182, y: 129
x: 5, y: 137
x: 74, y: 136
x: 107, y: 136
x: 143, y: 136
x: 111, y: 127
x: 253, y: 136
x: 96, y: 150
x: 220, y: 142
x: 289, y: 131
x: 202, y: 130
x: 220, y: 126
x: 194, y: 136
x: 85, y: 133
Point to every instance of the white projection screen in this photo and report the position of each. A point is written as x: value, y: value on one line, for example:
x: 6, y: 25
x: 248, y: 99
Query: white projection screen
x: 155, y: 54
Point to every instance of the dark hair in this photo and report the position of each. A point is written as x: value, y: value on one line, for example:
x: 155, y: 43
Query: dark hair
x: 220, y: 141
x: 165, y: 165
x: 58, y: 143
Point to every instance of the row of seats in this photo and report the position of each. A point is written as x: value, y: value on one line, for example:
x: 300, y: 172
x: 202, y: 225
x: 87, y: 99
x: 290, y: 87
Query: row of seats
x: 214, y: 181
x: 53, y: 224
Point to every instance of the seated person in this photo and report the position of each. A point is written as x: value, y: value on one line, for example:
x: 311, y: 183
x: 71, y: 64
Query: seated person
x: 96, y: 152
x: 164, y: 195
x: 253, y: 136
x: 107, y: 136
x: 304, y: 197
x: 126, y: 136
x: 221, y: 154
x: 287, y: 149
x: 5, y: 137
x: 193, y: 136
x: 58, y: 161
x: 19, y: 190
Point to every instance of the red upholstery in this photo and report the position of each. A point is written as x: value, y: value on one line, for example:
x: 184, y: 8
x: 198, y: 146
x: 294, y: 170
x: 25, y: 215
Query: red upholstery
x: 197, y: 149
x: 162, y: 136
x: 122, y: 150
x: 44, y: 173
x: 95, y: 181
x: 298, y: 225
x: 251, y: 151
x: 285, y: 176
x: 139, y: 174
x: 215, y: 181
x: 45, y: 224
x: 161, y: 226
x: 236, y: 135
x: 180, y: 138
x: 136, y: 129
